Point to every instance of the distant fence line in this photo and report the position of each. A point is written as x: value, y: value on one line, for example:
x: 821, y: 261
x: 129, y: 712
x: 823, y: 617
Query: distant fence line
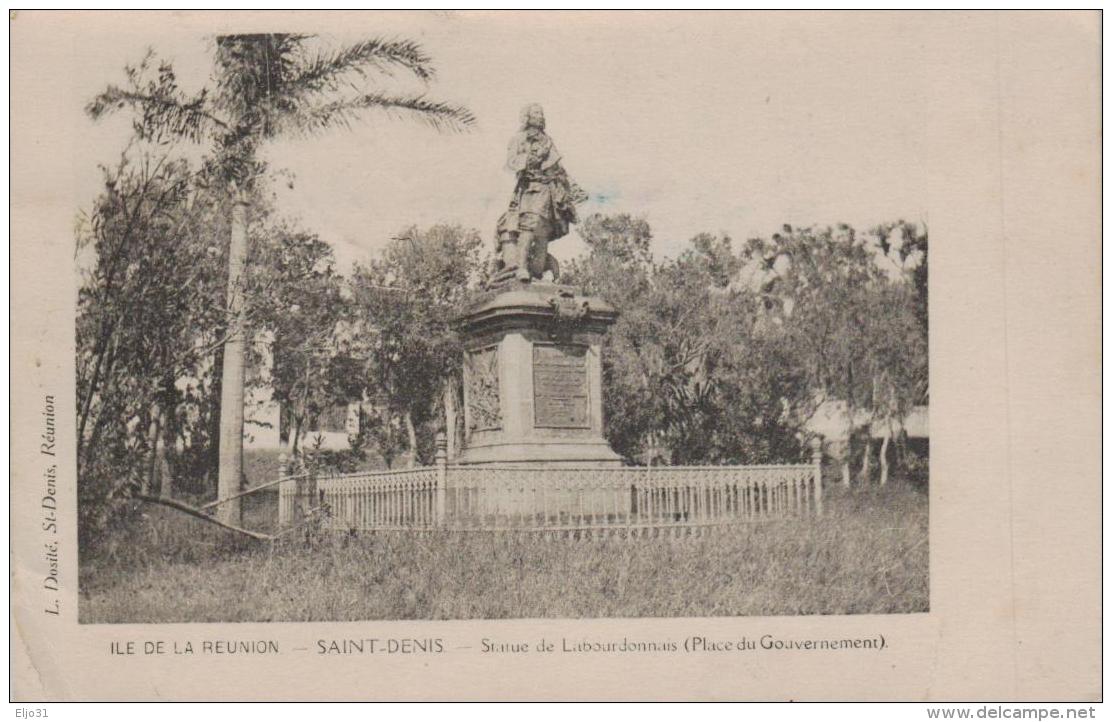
x: 606, y: 500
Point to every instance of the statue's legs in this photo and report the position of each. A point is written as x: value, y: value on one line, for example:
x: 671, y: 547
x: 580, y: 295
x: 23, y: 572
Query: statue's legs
x: 507, y: 246
x: 551, y: 264
x: 522, y: 246
x: 535, y: 235
x: 505, y: 252
x: 525, y: 242
x: 538, y: 254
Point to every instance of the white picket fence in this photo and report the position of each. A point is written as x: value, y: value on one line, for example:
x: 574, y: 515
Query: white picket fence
x: 607, y: 499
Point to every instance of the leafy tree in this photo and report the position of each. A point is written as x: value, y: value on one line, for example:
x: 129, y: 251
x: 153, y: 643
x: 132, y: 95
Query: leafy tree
x: 264, y: 85
x: 900, y: 335
x: 619, y: 268
x: 619, y: 239
x: 384, y: 430
x: 681, y: 355
x: 149, y: 317
x: 404, y: 302
x: 896, y: 359
x: 723, y: 385
x: 703, y: 367
x: 906, y: 243
x: 854, y: 329
x: 730, y: 398
x: 304, y: 311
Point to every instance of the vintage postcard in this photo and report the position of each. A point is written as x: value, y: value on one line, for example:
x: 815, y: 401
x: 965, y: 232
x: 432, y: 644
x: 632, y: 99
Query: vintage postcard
x: 555, y: 355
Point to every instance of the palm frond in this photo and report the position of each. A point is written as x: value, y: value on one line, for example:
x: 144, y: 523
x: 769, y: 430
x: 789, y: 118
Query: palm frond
x: 437, y: 115
x: 327, y: 69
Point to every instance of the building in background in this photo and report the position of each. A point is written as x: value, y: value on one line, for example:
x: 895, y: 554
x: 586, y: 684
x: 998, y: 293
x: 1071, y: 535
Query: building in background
x: 266, y: 426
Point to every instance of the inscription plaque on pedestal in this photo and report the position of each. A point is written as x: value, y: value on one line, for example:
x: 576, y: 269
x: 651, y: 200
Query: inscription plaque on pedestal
x: 560, y: 398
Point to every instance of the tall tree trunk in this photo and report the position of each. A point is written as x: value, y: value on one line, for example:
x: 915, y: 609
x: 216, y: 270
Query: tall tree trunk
x: 884, y: 457
x: 164, y: 436
x: 170, y: 463
x: 154, y: 435
x: 411, y: 431
x: 295, y: 435
x: 847, y: 456
x: 234, y: 373
x: 158, y: 483
x: 212, y: 450
x: 450, y: 415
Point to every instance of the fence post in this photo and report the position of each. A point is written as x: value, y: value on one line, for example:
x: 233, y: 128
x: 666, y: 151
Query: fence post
x: 816, y: 461
x: 441, y: 475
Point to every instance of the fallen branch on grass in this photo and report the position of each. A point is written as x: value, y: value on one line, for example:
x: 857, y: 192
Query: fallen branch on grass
x: 245, y: 492
x: 200, y: 514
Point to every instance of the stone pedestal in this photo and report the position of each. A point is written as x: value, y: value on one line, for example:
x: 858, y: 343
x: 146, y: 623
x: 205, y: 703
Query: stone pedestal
x: 532, y: 377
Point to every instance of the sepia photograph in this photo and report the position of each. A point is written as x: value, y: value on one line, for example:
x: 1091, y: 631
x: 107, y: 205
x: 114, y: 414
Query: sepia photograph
x: 359, y: 337
x: 555, y: 355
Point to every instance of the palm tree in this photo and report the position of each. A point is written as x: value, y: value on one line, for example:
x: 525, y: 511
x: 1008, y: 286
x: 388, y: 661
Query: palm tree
x: 266, y: 85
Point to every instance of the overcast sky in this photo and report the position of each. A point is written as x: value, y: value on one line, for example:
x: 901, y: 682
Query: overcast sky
x: 704, y: 122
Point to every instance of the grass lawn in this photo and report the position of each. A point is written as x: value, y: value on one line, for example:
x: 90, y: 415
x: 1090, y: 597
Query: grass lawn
x: 867, y: 555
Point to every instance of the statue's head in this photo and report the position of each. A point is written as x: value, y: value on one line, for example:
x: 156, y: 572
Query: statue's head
x: 532, y: 116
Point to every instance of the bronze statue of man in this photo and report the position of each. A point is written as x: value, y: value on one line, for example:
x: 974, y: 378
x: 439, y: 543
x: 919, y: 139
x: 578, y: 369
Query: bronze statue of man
x: 543, y: 203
